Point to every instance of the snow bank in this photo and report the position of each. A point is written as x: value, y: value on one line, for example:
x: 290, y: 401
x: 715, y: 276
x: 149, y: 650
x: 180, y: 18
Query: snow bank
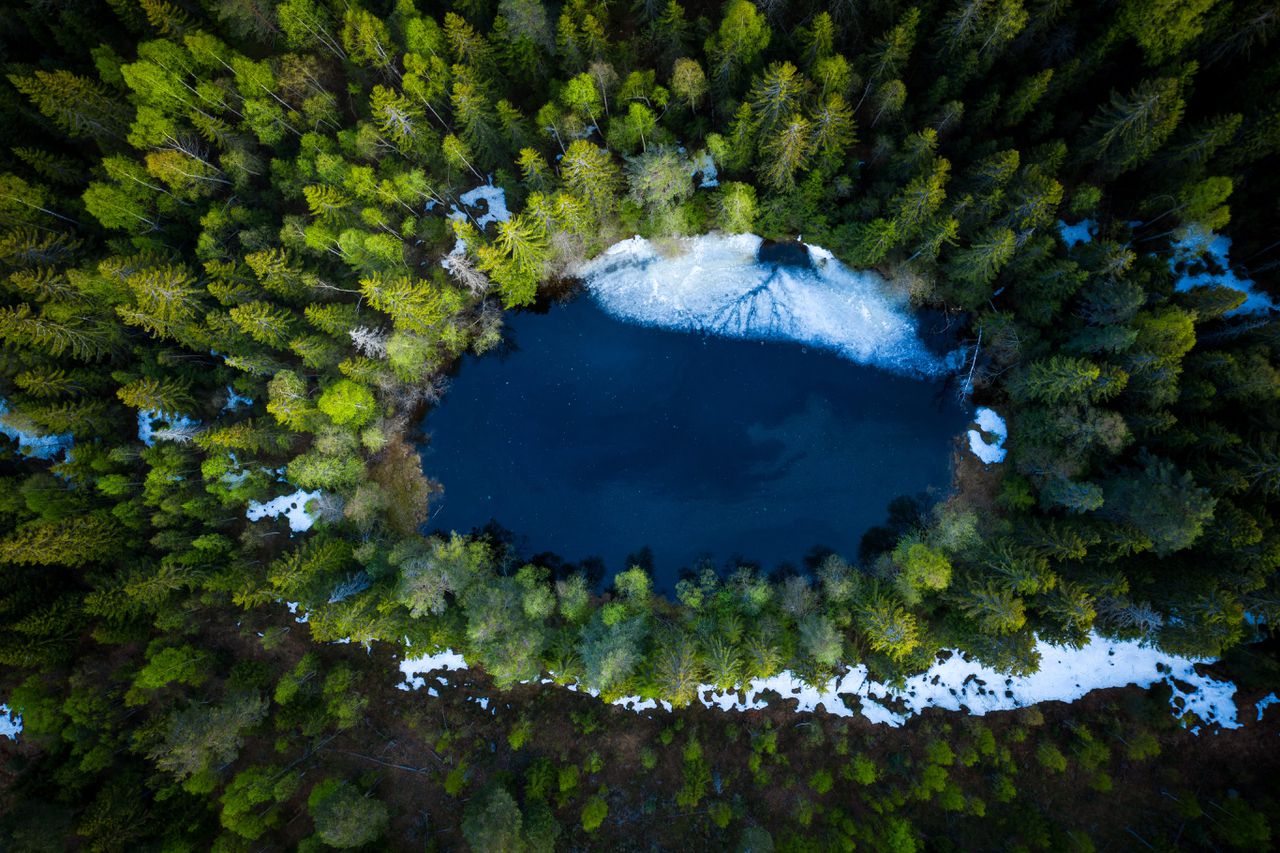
x: 1191, y: 253
x: 11, y: 724
x: 956, y: 684
x: 293, y: 507
x: 714, y: 285
x: 35, y: 446
x: 959, y: 684
x: 992, y: 423
x: 1081, y: 232
x: 175, y: 427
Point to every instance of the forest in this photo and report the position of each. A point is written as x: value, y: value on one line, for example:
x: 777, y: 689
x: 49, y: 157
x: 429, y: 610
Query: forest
x: 245, y: 244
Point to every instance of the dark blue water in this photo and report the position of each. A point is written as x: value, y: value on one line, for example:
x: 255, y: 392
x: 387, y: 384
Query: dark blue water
x: 590, y: 437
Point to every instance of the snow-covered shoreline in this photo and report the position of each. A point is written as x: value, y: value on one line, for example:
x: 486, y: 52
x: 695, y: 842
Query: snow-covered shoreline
x: 955, y: 684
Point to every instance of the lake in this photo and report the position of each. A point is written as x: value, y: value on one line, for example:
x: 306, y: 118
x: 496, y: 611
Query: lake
x: 588, y: 436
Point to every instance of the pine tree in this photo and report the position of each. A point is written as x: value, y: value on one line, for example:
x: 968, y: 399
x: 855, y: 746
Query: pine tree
x: 171, y: 396
x: 869, y: 242
x: 688, y: 82
x: 265, y: 322
x: 777, y: 95
x: 1058, y: 379
x: 736, y: 207
x: 834, y: 130
x: 516, y: 261
x: 1127, y: 131
x: 590, y: 173
x: 889, y: 628
x: 976, y: 266
x: 919, y: 200
x: 75, y: 104
x: 890, y: 55
x: 786, y: 151
x: 475, y: 115
x: 411, y: 303
x: 890, y: 96
x: 396, y: 116
x: 366, y: 39
x: 1180, y: 21
x: 995, y: 609
x: 1025, y: 97
x: 742, y: 36
x: 72, y: 542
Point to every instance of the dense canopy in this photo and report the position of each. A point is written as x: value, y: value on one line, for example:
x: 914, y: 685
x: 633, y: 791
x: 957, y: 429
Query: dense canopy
x: 244, y: 242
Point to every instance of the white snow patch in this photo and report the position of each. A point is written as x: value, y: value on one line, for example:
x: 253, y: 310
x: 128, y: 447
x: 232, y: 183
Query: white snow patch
x: 714, y: 285
x: 413, y: 668
x: 10, y: 723
x: 958, y: 684
x: 175, y: 427
x: 495, y: 200
x: 1266, y: 702
x: 707, y: 167
x: 992, y: 423
x: 236, y: 401
x: 30, y: 443
x: 1081, y: 232
x: 1192, y: 252
x: 293, y: 507
x: 1065, y: 674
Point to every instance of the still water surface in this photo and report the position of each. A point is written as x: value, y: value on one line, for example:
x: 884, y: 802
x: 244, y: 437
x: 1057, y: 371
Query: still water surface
x: 591, y: 437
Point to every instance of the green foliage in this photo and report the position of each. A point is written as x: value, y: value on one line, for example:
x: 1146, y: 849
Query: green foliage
x: 492, y: 821
x: 181, y: 664
x: 347, y: 403
x: 265, y: 196
x: 594, y: 812
x: 1051, y: 758
x: 344, y: 817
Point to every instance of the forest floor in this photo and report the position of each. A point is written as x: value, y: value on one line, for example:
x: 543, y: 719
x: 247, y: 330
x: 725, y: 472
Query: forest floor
x: 427, y: 756
x: 411, y: 742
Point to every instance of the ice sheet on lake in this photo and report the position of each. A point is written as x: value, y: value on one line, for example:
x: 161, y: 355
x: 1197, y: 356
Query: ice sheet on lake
x: 292, y: 507
x: 32, y: 444
x: 989, y: 422
x: 714, y: 285
x: 1194, y: 249
x: 957, y: 684
x: 1266, y: 702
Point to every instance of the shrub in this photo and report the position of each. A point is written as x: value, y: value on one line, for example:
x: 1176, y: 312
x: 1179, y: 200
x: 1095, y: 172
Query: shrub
x: 1051, y: 758
x: 594, y: 813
